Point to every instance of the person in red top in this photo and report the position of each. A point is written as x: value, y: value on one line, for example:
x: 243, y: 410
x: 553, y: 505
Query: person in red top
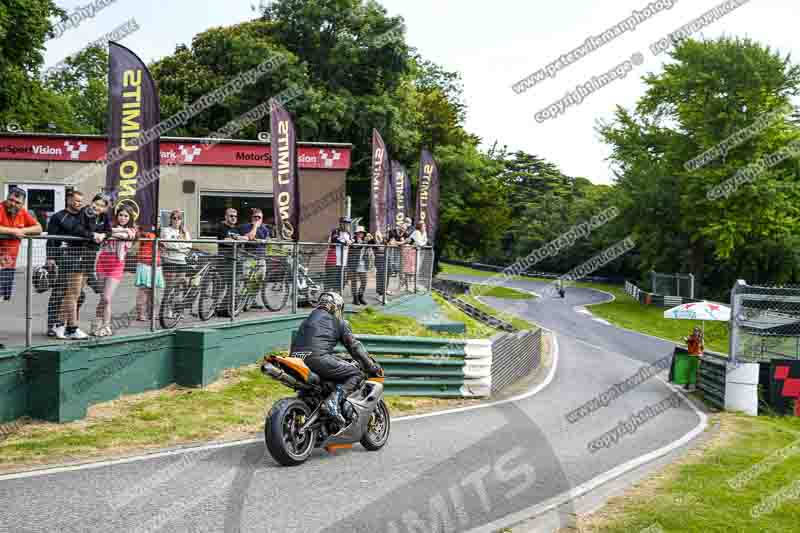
x: 15, y: 223
x: 144, y: 275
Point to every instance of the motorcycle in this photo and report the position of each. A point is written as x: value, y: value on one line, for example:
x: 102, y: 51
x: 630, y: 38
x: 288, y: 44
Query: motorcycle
x: 295, y: 426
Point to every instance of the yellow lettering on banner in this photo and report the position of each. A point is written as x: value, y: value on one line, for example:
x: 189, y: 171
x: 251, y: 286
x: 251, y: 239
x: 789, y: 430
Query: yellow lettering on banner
x: 132, y: 77
x: 128, y: 123
x: 128, y: 169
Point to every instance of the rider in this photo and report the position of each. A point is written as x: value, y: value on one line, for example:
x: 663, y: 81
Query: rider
x: 315, y: 342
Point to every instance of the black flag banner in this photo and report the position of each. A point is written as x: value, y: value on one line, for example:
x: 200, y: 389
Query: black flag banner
x: 428, y: 195
x: 398, y: 196
x: 133, y: 109
x: 378, y: 219
x: 285, y: 185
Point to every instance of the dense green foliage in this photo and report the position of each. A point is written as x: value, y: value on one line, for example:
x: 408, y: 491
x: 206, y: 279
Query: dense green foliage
x: 356, y: 72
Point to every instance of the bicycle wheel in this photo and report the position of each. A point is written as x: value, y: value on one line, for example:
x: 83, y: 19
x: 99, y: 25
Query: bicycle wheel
x: 275, y: 289
x: 172, y: 308
x: 243, y: 296
x: 207, y: 303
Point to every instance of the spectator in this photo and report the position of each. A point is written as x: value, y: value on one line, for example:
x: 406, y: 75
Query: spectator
x: 174, y: 254
x: 380, y: 261
x: 15, y: 222
x: 408, y: 258
x: 337, y: 255
x: 257, y: 230
x: 359, y: 263
x: 111, y: 267
x: 695, y: 347
x: 59, y: 255
x: 396, y: 237
x: 228, y: 231
x: 94, y: 226
x: 144, y: 274
x: 418, y: 239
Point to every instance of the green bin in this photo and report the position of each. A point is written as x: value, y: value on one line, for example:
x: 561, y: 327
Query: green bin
x: 684, y: 368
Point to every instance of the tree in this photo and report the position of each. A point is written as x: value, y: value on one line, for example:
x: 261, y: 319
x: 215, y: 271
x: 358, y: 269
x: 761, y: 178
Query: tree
x: 712, y: 90
x: 84, y: 86
x: 24, y: 28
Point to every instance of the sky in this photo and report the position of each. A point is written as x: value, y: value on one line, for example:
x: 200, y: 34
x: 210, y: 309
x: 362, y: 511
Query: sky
x: 493, y: 45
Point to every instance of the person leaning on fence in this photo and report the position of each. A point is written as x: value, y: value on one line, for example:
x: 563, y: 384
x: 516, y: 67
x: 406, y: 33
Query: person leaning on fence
x: 228, y: 231
x: 93, y: 226
x: 111, y: 267
x: 174, y: 254
x: 15, y: 223
x: 695, y: 347
x: 359, y: 262
x: 59, y: 254
x: 379, y: 252
x: 395, y: 236
x: 339, y: 239
x: 144, y: 274
x: 257, y: 230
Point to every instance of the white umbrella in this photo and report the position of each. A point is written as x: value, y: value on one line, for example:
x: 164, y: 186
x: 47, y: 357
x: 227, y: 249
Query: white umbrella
x: 700, y: 311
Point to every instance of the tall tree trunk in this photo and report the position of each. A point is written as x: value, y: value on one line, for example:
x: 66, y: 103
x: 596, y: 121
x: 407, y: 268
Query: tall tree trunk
x: 696, y: 264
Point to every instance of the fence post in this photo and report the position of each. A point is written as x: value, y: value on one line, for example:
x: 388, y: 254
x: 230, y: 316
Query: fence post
x: 691, y: 286
x: 153, y: 284
x: 416, y: 268
x: 653, y: 281
x: 732, y: 337
x: 293, y: 289
x: 342, y: 272
x: 385, y: 273
x: 28, y: 295
x: 234, y: 275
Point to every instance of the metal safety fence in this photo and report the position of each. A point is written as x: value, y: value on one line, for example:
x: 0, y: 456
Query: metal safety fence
x: 681, y: 285
x: 515, y: 356
x: 56, y: 288
x: 765, y: 322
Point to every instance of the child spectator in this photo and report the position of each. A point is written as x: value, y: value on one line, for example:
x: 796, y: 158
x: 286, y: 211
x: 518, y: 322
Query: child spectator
x: 110, y: 268
x: 144, y: 274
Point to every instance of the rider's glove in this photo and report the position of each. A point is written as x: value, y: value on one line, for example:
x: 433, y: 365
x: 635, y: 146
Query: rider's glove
x: 375, y: 370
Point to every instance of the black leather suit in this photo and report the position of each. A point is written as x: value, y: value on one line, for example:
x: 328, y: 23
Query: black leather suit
x: 315, y: 342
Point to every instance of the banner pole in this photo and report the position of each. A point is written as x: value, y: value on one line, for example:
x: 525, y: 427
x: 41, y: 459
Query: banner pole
x: 385, y: 272
x: 153, y: 284
x: 295, y: 269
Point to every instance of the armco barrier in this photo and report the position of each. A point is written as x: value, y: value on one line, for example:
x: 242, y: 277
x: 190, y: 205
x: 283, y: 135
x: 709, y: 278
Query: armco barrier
x: 648, y: 298
x: 711, y: 379
x: 426, y: 366
x: 615, y: 280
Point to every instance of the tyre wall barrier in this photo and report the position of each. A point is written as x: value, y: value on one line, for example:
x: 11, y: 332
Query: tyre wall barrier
x: 615, y: 280
x: 711, y: 379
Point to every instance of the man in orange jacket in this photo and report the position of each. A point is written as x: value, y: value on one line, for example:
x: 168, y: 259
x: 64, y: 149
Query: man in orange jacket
x: 695, y: 347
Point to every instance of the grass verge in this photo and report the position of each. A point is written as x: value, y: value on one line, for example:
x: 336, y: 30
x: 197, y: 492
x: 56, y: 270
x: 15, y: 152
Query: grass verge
x: 232, y: 408
x: 700, y: 492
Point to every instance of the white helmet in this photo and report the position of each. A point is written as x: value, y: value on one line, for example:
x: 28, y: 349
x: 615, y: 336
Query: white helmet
x: 332, y: 302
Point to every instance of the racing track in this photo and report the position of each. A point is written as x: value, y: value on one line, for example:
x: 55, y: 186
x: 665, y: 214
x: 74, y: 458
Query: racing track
x: 471, y: 469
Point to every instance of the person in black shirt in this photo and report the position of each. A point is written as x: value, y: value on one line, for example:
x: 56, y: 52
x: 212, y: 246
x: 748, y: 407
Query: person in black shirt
x: 228, y: 231
x: 58, y: 257
x: 94, y: 226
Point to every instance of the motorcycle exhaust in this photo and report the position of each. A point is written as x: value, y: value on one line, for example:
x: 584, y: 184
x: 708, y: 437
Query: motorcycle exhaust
x: 278, y: 374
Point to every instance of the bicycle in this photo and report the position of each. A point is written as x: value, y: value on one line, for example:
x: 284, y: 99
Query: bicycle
x: 276, y: 288
x: 200, y: 286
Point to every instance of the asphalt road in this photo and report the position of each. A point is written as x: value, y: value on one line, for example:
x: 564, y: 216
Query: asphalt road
x: 469, y: 470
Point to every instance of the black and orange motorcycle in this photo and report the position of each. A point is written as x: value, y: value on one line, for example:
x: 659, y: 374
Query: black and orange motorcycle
x: 295, y: 426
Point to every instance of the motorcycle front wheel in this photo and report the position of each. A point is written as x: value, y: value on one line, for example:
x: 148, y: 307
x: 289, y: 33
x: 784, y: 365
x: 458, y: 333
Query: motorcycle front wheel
x: 378, y: 427
x: 285, y: 444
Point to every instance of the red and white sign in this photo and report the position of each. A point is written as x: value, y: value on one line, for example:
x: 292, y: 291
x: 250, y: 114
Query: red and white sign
x: 224, y: 155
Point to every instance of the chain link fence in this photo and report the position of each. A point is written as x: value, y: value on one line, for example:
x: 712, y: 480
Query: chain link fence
x: 672, y: 284
x: 765, y: 322
x: 68, y: 288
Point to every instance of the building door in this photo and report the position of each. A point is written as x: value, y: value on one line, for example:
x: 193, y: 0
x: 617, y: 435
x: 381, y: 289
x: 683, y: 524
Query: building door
x: 42, y: 201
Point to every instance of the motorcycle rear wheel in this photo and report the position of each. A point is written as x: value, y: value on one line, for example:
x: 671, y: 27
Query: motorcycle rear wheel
x: 284, y: 444
x: 377, y: 434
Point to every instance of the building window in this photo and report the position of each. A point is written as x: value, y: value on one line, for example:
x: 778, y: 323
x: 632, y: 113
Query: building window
x: 213, y: 206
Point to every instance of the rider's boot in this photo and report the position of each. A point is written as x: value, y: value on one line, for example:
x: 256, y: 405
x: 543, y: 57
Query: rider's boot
x: 331, y: 405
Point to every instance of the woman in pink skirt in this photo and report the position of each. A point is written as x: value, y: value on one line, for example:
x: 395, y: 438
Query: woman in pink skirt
x: 111, y: 267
